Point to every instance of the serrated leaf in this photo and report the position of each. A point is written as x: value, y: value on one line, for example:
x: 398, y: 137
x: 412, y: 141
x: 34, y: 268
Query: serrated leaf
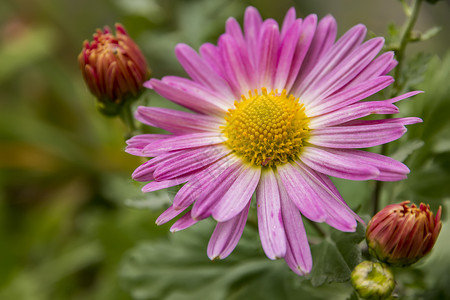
x: 415, y: 69
x: 178, y: 269
x: 433, y: 31
x: 120, y: 188
x: 433, y: 105
x: 335, y: 258
x: 392, y: 36
x: 406, y: 149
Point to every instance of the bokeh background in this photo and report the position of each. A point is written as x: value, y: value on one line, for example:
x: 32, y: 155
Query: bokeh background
x: 69, y: 210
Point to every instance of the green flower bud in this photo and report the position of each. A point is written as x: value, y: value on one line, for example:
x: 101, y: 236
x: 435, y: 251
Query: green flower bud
x: 373, y: 280
x: 113, y: 68
x: 400, y: 235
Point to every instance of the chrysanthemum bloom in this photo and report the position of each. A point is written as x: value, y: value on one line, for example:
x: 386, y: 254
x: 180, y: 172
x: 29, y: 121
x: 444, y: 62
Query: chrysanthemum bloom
x: 400, y: 235
x: 273, y: 112
x: 113, y: 68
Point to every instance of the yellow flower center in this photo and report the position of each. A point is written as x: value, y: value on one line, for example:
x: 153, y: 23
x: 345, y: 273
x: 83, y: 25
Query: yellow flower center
x: 267, y: 129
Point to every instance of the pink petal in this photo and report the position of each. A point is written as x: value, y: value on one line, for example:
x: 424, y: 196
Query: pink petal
x: 351, y: 112
x: 338, y: 52
x: 168, y: 215
x: 211, y: 55
x: 226, y: 235
x: 235, y: 199
x: 268, y: 47
x: 389, y: 168
x: 298, y: 254
x: 308, y: 29
x: 287, y: 51
x: 187, y: 141
x: 184, y: 222
x: 236, y: 70
x: 404, y: 96
x: 201, y: 181
x: 375, y: 68
x: 349, y: 96
x: 252, y: 26
x: 216, y: 189
x: 392, y: 121
x: 175, y: 121
x: 191, y: 95
x: 145, y: 171
x: 201, y: 72
x: 288, y: 21
x: 327, y: 162
x: 343, y: 73
x: 323, y: 40
x: 303, y: 196
x: 357, y: 136
x: 270, y: 223
x: 137, y: 143
x: 189, y: 162
x: 159, y: 185
x: 339, y: 215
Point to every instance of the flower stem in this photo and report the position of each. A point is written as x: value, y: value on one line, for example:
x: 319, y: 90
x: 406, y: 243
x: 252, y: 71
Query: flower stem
x: 403, y: 42
x: 398, y: 84
x: 126, y: 114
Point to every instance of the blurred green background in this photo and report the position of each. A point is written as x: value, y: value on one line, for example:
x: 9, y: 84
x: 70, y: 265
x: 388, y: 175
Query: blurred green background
x: 68, y: 208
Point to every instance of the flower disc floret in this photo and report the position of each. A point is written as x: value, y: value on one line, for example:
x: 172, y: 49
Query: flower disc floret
x: 267, y: 129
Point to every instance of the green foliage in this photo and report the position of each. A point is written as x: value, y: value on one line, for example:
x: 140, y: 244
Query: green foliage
x: 69, y: 210
x: 335, y: 257
x: 429, y: 163
x: 178, y: 268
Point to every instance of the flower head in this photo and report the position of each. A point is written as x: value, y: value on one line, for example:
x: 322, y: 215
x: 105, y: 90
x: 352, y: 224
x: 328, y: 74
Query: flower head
x: 373, y: 280
x: 113, y: 68
x: 400, y: 235
x: 274, y: 112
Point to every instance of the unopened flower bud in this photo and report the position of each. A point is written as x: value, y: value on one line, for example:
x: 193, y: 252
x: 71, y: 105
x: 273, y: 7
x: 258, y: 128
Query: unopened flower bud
x: 113, y: 68
x: 373, y: 280
x: 400, y: 235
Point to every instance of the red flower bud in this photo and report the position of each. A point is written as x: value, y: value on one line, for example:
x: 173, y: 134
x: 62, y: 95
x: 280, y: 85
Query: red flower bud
x: 400, y: 235
x: 113, y: 67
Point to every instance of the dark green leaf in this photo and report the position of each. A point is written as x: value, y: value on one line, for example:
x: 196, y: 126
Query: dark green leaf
x: 335, y: 258
x: 415, y: 68
x: 178, y: 268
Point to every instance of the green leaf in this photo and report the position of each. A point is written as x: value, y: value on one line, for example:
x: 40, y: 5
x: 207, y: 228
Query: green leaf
x: 121, y: 189
x: 433, y: 31
x: 392, y: 37
x: 178, y: 269
x: 335, y: 258
x: 433, y: 105
x: 414, y: 71
x: 406, y: 149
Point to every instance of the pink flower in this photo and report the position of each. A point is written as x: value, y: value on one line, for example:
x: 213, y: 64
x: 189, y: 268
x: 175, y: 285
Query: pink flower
x: 274, y: 112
